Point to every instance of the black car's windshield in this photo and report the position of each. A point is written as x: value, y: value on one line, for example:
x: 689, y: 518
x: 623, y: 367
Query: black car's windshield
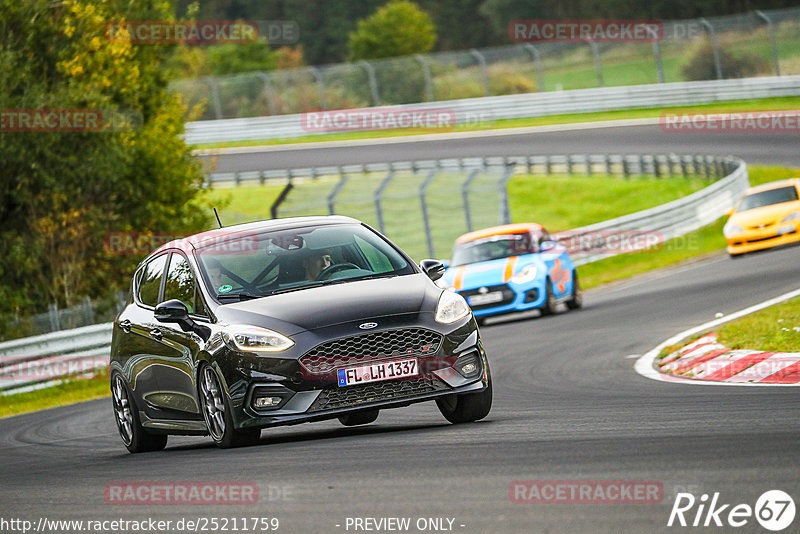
x: 492, y: 248
x: 260, y: 264
x: 766, y: 198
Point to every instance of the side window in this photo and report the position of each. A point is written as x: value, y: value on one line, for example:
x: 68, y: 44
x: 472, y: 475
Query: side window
x: 150, y: 281
x: 378, y: 261
x: 182, y: 285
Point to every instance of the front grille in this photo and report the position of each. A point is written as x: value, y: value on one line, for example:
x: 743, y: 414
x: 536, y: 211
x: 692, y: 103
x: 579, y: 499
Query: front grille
x: 343, y: 397
x: 508, y: 296
x: 328, y: 356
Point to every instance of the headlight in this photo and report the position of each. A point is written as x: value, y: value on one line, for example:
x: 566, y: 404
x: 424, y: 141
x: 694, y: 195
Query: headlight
x: 255, y: 339
x: 527, y: 274
x: 731, y: 230
x: 451, y: 308
x: 791, y: 217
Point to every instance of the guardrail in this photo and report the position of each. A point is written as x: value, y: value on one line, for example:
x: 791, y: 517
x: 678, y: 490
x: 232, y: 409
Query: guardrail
x: 41, y: 360
x: 478, y: 110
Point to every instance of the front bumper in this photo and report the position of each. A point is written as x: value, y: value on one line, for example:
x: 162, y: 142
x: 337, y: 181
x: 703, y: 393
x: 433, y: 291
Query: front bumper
x: 754, y: 240
x: 306, y: 397
x: 517, y: 298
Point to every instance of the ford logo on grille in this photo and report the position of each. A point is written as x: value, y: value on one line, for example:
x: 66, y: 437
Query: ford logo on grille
x: 367, y: 326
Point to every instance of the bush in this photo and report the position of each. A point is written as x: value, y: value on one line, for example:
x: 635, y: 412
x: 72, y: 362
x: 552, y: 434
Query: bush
x: 740, y: 65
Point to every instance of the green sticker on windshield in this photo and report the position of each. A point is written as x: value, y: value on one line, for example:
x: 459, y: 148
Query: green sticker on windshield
x: 225, y: 288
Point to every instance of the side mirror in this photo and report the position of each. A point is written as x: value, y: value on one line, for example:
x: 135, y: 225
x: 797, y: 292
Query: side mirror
x: 433, y: 268
x: 175, y: 311
x: 547, y: 245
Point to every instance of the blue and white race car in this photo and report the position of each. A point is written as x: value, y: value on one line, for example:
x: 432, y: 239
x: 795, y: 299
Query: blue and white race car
x: 512, y: 268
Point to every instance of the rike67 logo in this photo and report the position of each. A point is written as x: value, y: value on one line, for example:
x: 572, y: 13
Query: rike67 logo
x: 774, y: 510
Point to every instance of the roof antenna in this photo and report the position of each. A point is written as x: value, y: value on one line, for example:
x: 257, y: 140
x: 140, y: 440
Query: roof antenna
x: 217, y: 215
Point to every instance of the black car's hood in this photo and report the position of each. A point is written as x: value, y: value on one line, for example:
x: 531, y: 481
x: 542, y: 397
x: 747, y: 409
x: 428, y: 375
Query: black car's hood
x: 309, y: 309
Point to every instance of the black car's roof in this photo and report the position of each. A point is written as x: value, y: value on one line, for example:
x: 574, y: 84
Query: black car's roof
x: 253, y: 228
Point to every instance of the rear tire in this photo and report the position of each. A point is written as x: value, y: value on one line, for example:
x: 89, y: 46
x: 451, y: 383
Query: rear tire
x: 133, y: 434
x: 549, y: 306
x: 216, y: 407
x: 576, y: 300
x: 359, y: 418
x: 469, y: 406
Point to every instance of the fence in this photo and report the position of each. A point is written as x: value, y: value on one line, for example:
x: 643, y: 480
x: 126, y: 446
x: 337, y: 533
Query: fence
x: 736, y: 46
x: 86, y: 313
x: 451, y: 196
x: 425, y: 205
x: 476, y: 110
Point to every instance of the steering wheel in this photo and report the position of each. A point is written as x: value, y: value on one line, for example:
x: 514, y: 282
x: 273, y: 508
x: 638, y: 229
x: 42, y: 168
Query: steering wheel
x: 335, y: 268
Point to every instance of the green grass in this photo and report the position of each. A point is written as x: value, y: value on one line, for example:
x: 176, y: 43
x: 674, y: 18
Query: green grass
x: 766, y: 104
x: 66, y: 393
x: 771, y: 329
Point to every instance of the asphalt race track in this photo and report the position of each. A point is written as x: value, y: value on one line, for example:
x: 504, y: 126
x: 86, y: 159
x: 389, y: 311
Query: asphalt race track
x: 756, y: 148
x: 568, y: 406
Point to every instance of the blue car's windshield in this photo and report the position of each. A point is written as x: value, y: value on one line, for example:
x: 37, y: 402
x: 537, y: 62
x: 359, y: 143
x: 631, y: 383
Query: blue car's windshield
x: 492, y: 248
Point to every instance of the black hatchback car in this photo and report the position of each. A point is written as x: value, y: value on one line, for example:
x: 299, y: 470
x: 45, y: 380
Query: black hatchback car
x: 284, y: 322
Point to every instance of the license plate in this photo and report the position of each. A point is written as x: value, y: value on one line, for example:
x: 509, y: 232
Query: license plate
x: 375, y: 372
x: 488, y: 298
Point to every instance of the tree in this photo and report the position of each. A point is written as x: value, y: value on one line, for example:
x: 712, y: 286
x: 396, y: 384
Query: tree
x: 64, y: 191
x: 399, y: 28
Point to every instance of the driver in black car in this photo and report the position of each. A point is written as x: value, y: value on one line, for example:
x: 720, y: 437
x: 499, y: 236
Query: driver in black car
x: 315, y: 263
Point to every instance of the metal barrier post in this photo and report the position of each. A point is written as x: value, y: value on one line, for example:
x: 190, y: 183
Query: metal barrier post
x: 772, y: 40
x: 373, y: 82
x: 377, y: 199
x: 598, y: 66
x: 484, y: 72
x: 465, y: 197
x: 336, y: 190
x: 714, y: 46
x: 212, y: 84
x: 537, y: 57
x: 505, y: 207
x: 320, y: 85
x: 426, y: 71
x: 268, y: 91
x: 425, y: 219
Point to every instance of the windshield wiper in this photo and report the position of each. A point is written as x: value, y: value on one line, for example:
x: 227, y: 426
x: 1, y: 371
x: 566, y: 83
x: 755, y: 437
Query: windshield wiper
x: 372, y: 276
x: 304, y: 286
x: 240, y: 296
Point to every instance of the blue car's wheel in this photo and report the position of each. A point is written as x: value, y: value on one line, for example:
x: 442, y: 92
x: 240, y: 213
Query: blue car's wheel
x: 549, y: 306
x: 576, y: 300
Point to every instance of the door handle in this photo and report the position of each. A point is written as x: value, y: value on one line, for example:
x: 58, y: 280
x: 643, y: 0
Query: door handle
x: 156, y: 333
x: 125, y: 325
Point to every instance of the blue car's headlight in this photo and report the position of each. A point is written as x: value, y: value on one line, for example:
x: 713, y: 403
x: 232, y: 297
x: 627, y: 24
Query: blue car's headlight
x: 248, y: 338
x: 527, y: 274
x: 451, y: 308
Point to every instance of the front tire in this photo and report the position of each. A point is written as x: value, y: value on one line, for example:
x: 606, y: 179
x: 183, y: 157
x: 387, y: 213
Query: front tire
x: 576, y: 300
x: 133, y: 434
x: 549, y: 306
x: 359, y: 418
x: 217, y: 413
x: 469, y: 406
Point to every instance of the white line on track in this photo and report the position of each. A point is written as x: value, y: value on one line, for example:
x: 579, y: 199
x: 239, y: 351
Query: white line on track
x: 644, y: 365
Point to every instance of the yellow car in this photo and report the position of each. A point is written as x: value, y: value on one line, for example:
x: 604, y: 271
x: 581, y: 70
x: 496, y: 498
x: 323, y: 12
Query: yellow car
x: 766, y: 216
